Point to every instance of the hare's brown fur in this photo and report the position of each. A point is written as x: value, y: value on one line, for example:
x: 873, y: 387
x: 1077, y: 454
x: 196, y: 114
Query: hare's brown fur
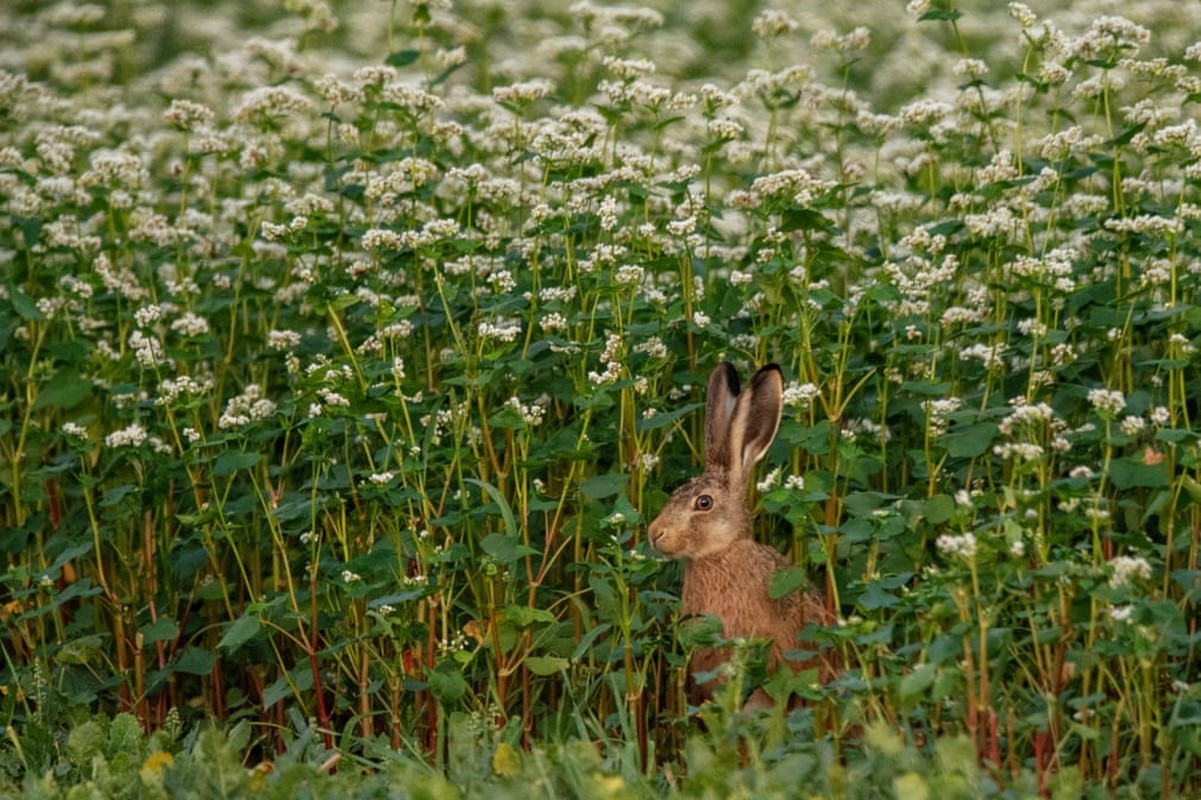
x: 706, y: 523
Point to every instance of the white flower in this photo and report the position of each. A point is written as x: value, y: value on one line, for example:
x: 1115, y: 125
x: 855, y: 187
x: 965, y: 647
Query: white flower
x: 131, y: 436
x: 189, y: 324
x: 282, y: 340
x: 1108, y: 402
x: 76, y: 430
x: 1126, y: 569
x: 963, y: 546
x: 772, y: 479
x: 800, y: 395
x: 248, y: 407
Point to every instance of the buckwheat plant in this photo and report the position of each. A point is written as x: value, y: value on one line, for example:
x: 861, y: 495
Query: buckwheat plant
x: 345, y: 352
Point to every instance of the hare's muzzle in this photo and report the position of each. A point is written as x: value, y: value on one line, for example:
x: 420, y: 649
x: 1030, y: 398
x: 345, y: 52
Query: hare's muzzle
x: 655, y: 532
x: 661, y: 538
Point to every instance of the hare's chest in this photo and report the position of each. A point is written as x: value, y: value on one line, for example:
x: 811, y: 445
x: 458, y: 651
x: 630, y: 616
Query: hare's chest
x: 739, y: 599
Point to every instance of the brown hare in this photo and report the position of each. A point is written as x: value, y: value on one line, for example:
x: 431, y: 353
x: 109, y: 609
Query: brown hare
x: 706, y: 523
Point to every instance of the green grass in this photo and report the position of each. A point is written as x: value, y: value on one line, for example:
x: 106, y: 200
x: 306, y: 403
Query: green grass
x: 343, y: 366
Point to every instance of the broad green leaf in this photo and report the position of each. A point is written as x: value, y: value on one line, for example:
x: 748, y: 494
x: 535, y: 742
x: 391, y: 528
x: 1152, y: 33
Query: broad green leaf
x: 598, y: 487
x: 524, y: 616
x: 231, y: 461
x: 589, y: 639
x: 23, y: 304
x: 402, y: 58
x: 448, y: 686
x: 974, y: 440
x: 505, y: 549
x: 238, y: 632
x: 665, y: 418
x: 875, y: 597
x: 506, y: 511
x: 785, y: 582
x: 65, y: 390
x: 910, y: 786
x: 195, y: 661
x: 163, y: 629
x: 1133, y: 472
x: 547, y: 665
x: 938, y: 509
x: 917, y: 682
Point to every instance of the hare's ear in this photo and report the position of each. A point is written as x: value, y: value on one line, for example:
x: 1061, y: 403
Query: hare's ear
x: 719, y: 407
x: 755, y: 420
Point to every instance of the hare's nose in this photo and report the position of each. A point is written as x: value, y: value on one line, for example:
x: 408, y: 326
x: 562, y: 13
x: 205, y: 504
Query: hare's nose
x: 655, y: 532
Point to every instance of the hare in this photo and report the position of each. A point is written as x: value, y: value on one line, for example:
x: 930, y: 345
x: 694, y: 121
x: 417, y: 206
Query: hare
x: 706, y: 523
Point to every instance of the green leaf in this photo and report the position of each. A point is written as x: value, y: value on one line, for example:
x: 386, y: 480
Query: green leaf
x: 505, y: 549
x: 231, y: 461
x: 506, y: 511
x: 598, y: 487
x: 865, y: 503
x: 238, y: 632
x: 1131, y: 472
x: 195, y: 661
x: 662, y: 420
x: 875, y: 597
x: 447, y: 686
x: 938, y: 509
x: 65, y: 390
x: 785, y: 582
x: 910, y: 786
x: 124, y: 735
x: 402, y: 58
x: 162, y: 630
x: 940, y: 15
x: 506, y: 761
x: 587, y: 640
x: 972, y: 441
x: 547, y: 665
x: 525, y: 616
x: 917, y: 682
x: 23, y: 304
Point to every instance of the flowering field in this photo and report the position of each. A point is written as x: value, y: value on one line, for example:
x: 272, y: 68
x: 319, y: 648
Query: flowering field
x: 347, y: 352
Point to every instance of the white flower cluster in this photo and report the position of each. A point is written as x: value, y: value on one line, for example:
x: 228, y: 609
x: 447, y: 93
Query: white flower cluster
x: 653, y: 347
x: 988, y: 354
x: 148, y: 350
x: 171, y: 389
x: 135, y: 435
x: 962, y: 546
x: 274, y: 232
x: 189, y: 324
x: 75, y: 430
x: 800, y: 395
x: 611, y: 358
x: 502, y: 330
x: 282, y: 340
x: 937, y: 412
x: 1107, y: 402
x: 1127, y: 569
x: 245, y: 408
x: 533, y: 413
x: 381, y: 478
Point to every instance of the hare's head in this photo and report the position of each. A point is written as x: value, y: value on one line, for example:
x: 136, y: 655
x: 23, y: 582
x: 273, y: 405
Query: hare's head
x: 708, y: 514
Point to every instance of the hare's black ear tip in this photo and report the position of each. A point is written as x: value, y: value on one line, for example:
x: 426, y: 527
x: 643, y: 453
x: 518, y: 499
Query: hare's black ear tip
x: 728, y: 374
x: 772, y: 367
x: 770, y: 375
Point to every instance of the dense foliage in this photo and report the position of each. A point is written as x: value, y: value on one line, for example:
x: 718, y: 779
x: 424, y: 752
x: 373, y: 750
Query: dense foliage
x: 346, y: 352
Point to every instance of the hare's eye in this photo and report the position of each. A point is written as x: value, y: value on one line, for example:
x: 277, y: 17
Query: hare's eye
x: 704, y: 503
